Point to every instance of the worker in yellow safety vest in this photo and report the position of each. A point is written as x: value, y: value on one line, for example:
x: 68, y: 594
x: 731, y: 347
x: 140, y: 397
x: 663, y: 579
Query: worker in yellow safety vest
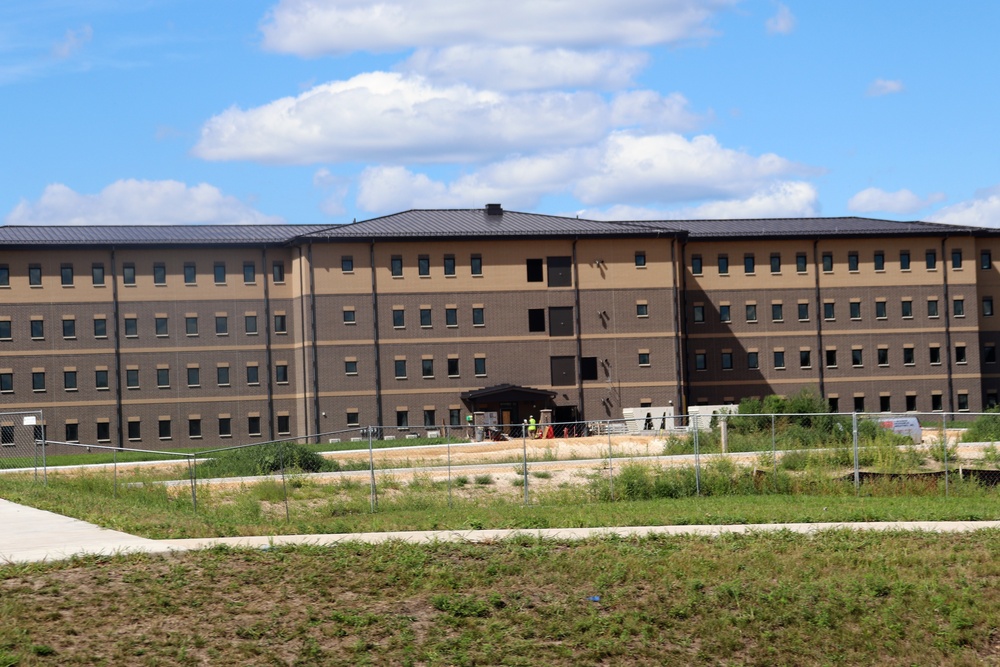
x: 531, y: 426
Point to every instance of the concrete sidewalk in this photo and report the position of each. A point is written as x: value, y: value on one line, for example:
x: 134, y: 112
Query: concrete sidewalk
x: 32, y: 535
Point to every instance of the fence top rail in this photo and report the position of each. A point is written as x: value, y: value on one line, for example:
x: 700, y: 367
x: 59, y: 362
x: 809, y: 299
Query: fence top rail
x: 186, y: 455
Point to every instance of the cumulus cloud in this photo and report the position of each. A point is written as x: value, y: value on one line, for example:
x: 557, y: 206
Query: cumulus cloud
x: 982, y: 211
x: 317, y: 27
x: 880, y: 87
x: 382, y: 116
x: 527, y: 67
x: 73, y: 41
x: 902, y: 201
x: 134, y: 202
x: 782, y: 23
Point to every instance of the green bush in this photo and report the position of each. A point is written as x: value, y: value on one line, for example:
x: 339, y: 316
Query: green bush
x: 264, y: 460
x: 985, y: 429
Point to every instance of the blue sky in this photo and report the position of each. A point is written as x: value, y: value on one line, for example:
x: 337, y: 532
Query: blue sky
x: 323, y: 111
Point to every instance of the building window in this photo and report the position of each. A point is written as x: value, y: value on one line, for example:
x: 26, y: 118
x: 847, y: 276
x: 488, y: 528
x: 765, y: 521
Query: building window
x: 225, y: 427
x: 249, y: 273
x: 128, y: 274
x: 855, y: 308
x: 987, y: 306
x: 219, y: 272
x: 455, y: 416
x: 932, y: 308
x: 960, y: 356
x: 132, y: 378
x: 908, y: 356
x: 536, y: 273
x: 427, y: 368
x: 476, y: 265
x: 777, y: 312
x: 834, y: 403
x: 956, y: 259
x: 164, y: 429
x: 425, y: 317
x: 278, y: 272
x: 100, y: 327
x: 880, y: 310
x: 253, y: 375
x: 985, y: 260
x: 805, y: 359
x: 857, y: 358
x: 911, y: 402
x: 696, y: 265
x: 423, y: 265
x: 97, y: 275
x: 163, y: 378
x: 775, y: 263
x: 453, y: 368
x: 250, y: 324
x: 700, y: 361
x: 35, y: 275
x: 753, y: 360
x: 779, y: 359
x: 990, y: 354
x: 699, y: 313
x: 907, y: 308
x: 827, y: 262
x: 936, y: 402
x: 478, y: 317
x: 190, y: 274
x: 353, y: 418
x: 194, y: 428
x: 5, y: 330
x: 37, y: 329
x: 396, y: 266
x: 402, y: 419
x: 751, y: 312
x: 6, y: 382
x: 280, y: 324
x: 101, y: 380
x: 398, y: 318
x: 859, y: 403
x: 350, y: 367
x: 801, y: 262
x: 831, y: 358
x: 347, y: 263
x: 749, y: 264
x: 883, y: 356
x: 161, y: 326
x: 103, y: 431
x: 253, y: 425
x: 884, y: 403
x: 281, y: 373
x: 641, y: 310
x: 904, y: 260
x: 159, y: 274
x: 222, y: 376
x: 451, y: 317
x: 479, y: 366
x: 935, y: 355
x: 66, y: 275
x: 69, y: 380
x: 727, y: 361
x: 963, y: 402
x: 134, y: 430
x: 284, y: 425
x: 879, y: 261
x: 725, y: 314
x: 349, y: 317
x: 829, y: 312
x: 852, y: 262
x: 958, y: 307
x: 803, y: 312
x: 131, y: 327
x: 723, y: 265
x: 640, y: 259
x: 400, y: 369
x: 931, y: 259
x: 72, y: 432
x: 221, y: 325
x: 69, y: 328
x: 4, y: 275
x: 449, y: 265
x: 194, y: 376
x: 191, y: 325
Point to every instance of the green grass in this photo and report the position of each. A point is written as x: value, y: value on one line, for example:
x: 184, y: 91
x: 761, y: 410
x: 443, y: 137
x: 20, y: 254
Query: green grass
x: 837, y: 597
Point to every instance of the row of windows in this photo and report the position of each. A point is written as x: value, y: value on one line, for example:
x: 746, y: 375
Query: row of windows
x: 426, y: 317
x: 830, y: 310
x: 857, y: 357
x: 130, y: 325
x: 98, y: 275
x: 132, y: 378
x: 853, y: 262
x: 885, y: 403
x: 164, y: 429
x: 449, y: 265
x: 403, y: 418
x: 426, y: 367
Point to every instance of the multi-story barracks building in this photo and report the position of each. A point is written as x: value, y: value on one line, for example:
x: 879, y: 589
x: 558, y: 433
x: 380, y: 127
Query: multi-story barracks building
x: 172, y: 336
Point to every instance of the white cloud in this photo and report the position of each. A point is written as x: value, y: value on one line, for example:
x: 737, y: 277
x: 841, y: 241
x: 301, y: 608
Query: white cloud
x: 527, y: 67
x: 383, y: 116
x: 781, y: 23
x: 74, y: 41
x: 982, y: 211
x: 902, y: 201
x: 317, y: 27
x: 336, y: 187
x: 786, y: 199
x: 134, y: 202
x: 881, y: 87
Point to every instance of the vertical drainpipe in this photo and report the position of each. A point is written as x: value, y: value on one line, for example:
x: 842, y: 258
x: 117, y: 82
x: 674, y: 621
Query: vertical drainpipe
x: 268, y: 360
x: 314, y: 332
x: 375, y: 336
x: 820, y: 352
x: 680, y: 337
x: 947, y: 324
x: 118, y: 349
x: 579, y: 334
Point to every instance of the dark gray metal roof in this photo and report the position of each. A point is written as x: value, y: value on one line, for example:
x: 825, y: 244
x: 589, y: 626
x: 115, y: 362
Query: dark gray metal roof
x: 142, y: 235
x: 799, y: 227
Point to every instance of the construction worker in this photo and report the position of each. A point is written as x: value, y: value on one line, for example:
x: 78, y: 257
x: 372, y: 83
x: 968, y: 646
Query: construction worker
x: 532, y: 425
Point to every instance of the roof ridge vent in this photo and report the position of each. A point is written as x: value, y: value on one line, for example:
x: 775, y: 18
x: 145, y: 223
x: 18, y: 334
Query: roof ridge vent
x: 494, y: 209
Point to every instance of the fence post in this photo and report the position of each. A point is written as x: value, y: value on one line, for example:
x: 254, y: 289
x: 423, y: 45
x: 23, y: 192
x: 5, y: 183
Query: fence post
x: 697, y: 462
x: 193, y: 475
x: 524, y: 446
x: 611, y: 465
x: 448, y: 445
x: 854, y: 434
x: 371, y: 468
x: 774, y: 450
x: 284, y: 485
x: 114, y: 458
x: 944, y: 444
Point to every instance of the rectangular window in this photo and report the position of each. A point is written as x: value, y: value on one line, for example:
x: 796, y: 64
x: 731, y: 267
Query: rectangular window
x: 855, y: 308
x: 221, y: 325
x: 753, y: 360
x: 159, y: 274
x: 253, y: 425
x: 932, y: 308
x: 960, y: 356
x: 987, y: 306
x: 749, y: 264
x: 69, y: 328
x: 161, y: 326
x: 97, y: 275
x: 700, y: 361
x: 402, y: 419
x: 834, y: 403
x: 253, y: 375
x: 4, y: 275
x: 884, y: 403
x: 103, y: 431
x: 449, y: 265
x: 222, y: 376
x: 805, y: 359
x: 225, y: 427
x: 476, y: 265
x: 777, y: 312
x: 751, y: 312
x: 479, y: 317
x: 963, y: 402
x: 350, y: 367
x: 479, y: 366
x: 190, y: 274
x: 164, y: 429
x: 100, y: 327
x: 831, y: 358
x: 958, y: 307
x: 349, y: 317
x: 852, y: 262
x: 398, y: 318
x: 536, y: 273
x: 194, y: 376
x: 128, y: 274
x: 857, y: 358
x: 699, y: 313
x: 934, y: 355
x: 191, y: 326
x: 931, y: 259
x: 5, y: 330
x: 880, y: 310
x: 451, y: 317
x: 883, y: 356
x: 453, y: 368
x: 6, y: 382
x: 284, y: 425
x: 131, y: 327
x: 723, y: 265
x: 347, y: 263
x: 66, y: 275
x: 249, y: 273
x: 37, y: 329
x: 827, y: 262
x: 588, y: 368
x: 775, y: 263
x: 725, y: 314
x: 163, y: 378
x: 907, y: 308
x: 727, y: 361
x: 956, y: 259
x: 879, y: 261
x: 803, y: 312
x: 278, y: 271
x: 250, y: 324
x: 72, y: 432
x: 990, y: 354
x: 859, y: 403
x: 400, y: 369
x: 696, y: 265
x: 101, y: 379
x: 640, y: 259
x: 280, y: 324
x: 35, y: 275
x: 427, y: 368
x: 425, y: 317
x: 281, y: 373
x: 801, y: 262
x: 353, y: 418
x: 779, y: 359
x: 908, y: 356
x: 911, y: 402
x: 219, y: 272
x: 455, y: 416
x: 560, y: 271
x: 194, y: 428
x: 423, y: 265
x: 561, y: 321
x: 985, y: 260
x: 69, y: 380
x: 904, y: 260
x: 829, y: 312
x: 132, y: 378
x: 134, y: 430
x: 536, y: 319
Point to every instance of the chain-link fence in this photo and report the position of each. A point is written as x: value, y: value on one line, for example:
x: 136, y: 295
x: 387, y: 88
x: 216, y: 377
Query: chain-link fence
x: 392, y: 468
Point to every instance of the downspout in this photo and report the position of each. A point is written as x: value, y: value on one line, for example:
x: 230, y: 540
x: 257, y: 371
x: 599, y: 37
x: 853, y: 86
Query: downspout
x: 820, y: 352
x: 314, y: 344
x: 118, y: 350
x: 947, y: 325
x: 268, y: 359
x: 579, y: 335
x: 680, y: 337
x: 375, y: 336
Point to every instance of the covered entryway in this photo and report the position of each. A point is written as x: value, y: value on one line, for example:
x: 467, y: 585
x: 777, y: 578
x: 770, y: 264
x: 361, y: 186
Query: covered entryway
x: 511, y: 404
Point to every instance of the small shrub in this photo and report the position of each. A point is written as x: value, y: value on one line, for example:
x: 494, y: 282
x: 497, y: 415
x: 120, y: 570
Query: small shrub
x: 483, y: 480
x: 542, y: 474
